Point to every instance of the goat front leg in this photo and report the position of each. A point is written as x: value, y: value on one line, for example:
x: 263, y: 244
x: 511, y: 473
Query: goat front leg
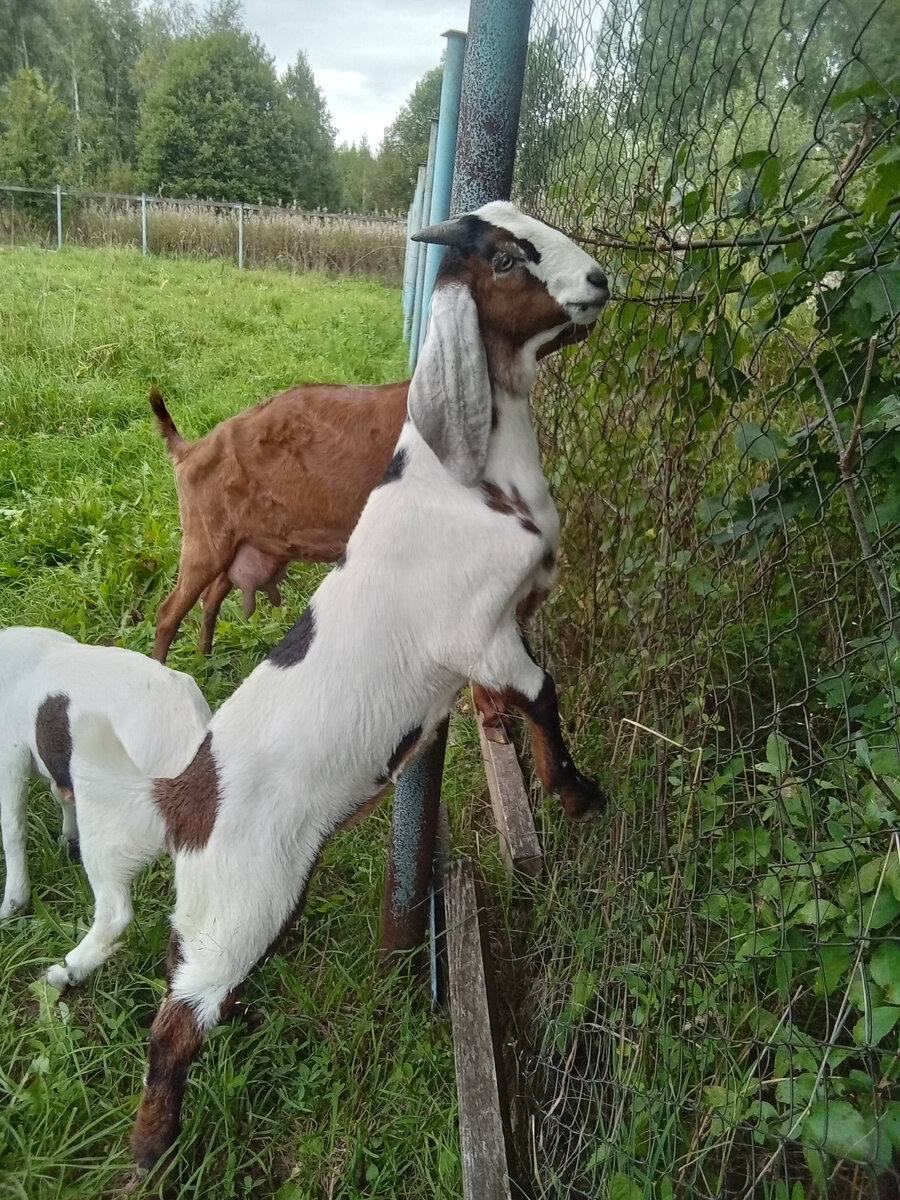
x: 509, y: 671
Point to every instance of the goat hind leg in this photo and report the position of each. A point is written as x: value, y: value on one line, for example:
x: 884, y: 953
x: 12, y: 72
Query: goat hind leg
x: 13, y: 795
x: 203, y: 988
x: 188, y: 587
x: 212, y: 603
x: 109, y: 869
x: 521, y: 683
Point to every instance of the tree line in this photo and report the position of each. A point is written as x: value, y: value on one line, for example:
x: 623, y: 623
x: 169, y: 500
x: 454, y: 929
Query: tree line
x: 162, y: 97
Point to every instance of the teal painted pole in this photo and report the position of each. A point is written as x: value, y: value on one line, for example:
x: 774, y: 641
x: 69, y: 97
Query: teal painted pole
x: 493, y: 74
x: 445, y: 153
x: 420, y: 265
x: 413, y: 249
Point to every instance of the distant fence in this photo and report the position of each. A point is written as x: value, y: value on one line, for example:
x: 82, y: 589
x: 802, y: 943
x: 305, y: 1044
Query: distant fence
x: 252, y: 235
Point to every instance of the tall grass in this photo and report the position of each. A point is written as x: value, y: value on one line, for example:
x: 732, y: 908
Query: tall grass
x: 273, y: 237
x: 344, y: 1088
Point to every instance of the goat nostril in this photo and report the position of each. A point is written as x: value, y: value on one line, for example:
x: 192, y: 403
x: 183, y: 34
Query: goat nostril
x: 599, y: 280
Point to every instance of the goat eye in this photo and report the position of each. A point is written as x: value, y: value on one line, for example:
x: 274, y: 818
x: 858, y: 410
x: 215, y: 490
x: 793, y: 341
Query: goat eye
x: 503, y: 262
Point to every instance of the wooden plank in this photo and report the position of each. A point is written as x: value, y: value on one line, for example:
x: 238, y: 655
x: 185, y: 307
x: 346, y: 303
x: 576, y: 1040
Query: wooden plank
x: 519, y: 843
x: 482, y: 1137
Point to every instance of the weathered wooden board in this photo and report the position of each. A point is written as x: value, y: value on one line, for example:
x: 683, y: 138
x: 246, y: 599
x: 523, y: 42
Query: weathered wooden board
x: 519, y: 843
x: 482, y: 1137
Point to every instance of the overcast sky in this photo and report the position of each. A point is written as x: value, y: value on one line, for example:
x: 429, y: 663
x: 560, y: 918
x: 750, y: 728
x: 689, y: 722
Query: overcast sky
x: 366, y: 55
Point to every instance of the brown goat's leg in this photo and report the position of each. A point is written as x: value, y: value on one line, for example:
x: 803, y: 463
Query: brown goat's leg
x: 580, y: 796
x: 212, y: 602
x: 188, y: 588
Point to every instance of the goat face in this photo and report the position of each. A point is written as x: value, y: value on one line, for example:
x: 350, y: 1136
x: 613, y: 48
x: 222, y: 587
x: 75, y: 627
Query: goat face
x: 529, y: 281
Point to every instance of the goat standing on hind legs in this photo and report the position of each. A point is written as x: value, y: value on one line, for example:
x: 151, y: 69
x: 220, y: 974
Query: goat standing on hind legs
x: 460, y: 532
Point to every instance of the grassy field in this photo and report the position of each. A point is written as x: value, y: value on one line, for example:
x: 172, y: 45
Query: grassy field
x: 273, y: 237
x: 346, y: 1087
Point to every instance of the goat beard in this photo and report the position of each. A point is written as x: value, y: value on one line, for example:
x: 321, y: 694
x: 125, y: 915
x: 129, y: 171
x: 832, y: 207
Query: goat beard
x: 569, y: 336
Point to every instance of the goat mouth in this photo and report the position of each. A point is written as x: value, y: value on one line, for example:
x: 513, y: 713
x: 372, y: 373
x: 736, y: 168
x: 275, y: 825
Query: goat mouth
x: 587, y: 312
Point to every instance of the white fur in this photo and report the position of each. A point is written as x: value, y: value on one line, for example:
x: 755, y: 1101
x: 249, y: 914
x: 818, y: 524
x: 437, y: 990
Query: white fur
x: 426, y: 600
x: 159, y: 717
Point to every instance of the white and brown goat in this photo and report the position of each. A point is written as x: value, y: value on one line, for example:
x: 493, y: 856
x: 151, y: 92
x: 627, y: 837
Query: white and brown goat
x: 460, y: 532
x: 46, y: 680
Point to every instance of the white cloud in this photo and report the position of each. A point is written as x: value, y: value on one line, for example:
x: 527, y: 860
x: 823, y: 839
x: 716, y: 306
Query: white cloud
x: 367, y: 57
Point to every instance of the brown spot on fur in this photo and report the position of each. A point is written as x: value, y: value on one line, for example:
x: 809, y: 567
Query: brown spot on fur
x: 188, y: 803
x: 174, y: 1041
x: 53, y: 739
x: 511, y: 505
x: 526, y: 608
x: 403, y: 749
x: 581, y: 798
x: 294, y: 646
x: 173, y: 955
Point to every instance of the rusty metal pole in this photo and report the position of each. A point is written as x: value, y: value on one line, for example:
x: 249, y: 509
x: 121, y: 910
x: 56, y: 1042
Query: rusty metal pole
x: 406, y: 900
x: 493, y: 74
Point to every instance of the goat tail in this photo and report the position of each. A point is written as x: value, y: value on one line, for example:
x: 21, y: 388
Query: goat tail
x: 168, y: 430
x: 103, y: 772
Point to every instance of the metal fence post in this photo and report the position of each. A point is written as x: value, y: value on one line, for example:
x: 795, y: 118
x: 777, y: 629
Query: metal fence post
x: 413, y: 249
x: 241, y: 236
x: 445, y: 152
x: 493, y: 74
x: 58, y: 218
x: 404, y: 906
x: 420, y: 265
x: 143, y: 223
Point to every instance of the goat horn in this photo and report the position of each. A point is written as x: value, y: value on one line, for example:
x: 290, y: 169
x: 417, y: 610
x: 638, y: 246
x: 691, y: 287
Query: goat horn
x: 455, y: 232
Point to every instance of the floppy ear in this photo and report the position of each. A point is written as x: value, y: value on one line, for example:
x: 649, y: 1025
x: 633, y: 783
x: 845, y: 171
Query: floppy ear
x: 450, y: 393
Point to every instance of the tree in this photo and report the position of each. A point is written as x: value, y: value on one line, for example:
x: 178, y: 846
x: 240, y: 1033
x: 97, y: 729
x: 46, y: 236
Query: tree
x: 355, y: 166
x: 405, y: 145
x: 215, y: 122
x: 34, y: 132
x: 313, y: 137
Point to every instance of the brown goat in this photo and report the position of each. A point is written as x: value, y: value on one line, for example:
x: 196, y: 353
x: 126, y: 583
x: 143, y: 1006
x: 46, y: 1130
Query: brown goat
x: 284, y: 481
x: 281, y: 482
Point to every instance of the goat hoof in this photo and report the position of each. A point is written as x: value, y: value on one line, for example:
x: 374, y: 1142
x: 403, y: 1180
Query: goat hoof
x: 13, y: 908
x: 494, y: 732
x: 72, y: 848
x: 59, y: 977
x: 584, y: 801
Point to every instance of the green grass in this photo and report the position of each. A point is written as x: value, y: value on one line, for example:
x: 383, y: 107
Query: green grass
x: 346, y: 1087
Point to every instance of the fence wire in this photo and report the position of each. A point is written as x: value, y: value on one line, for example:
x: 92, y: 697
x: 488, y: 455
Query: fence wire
x: 714, y: 985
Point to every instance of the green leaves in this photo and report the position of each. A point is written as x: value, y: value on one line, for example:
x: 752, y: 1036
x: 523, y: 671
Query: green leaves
x: 764, y: 445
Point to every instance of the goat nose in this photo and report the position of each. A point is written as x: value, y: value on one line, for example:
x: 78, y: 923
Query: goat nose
x: 599, y: 280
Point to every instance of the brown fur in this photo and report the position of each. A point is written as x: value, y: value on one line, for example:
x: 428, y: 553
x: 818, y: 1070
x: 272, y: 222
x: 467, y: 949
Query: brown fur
x: 53, y: 740
x: 288, y: 478
x: 189, y: 802
x: 580, y: 796
x: 174, y: 1042
x: 513, y: 505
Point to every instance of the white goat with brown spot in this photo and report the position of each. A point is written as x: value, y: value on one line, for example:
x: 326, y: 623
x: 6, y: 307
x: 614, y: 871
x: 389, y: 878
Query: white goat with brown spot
x: 460, y: 533
x: 46, y: 680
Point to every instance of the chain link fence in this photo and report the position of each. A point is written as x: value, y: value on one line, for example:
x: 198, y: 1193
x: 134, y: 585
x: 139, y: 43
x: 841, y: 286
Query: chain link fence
x: 714, y: 986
